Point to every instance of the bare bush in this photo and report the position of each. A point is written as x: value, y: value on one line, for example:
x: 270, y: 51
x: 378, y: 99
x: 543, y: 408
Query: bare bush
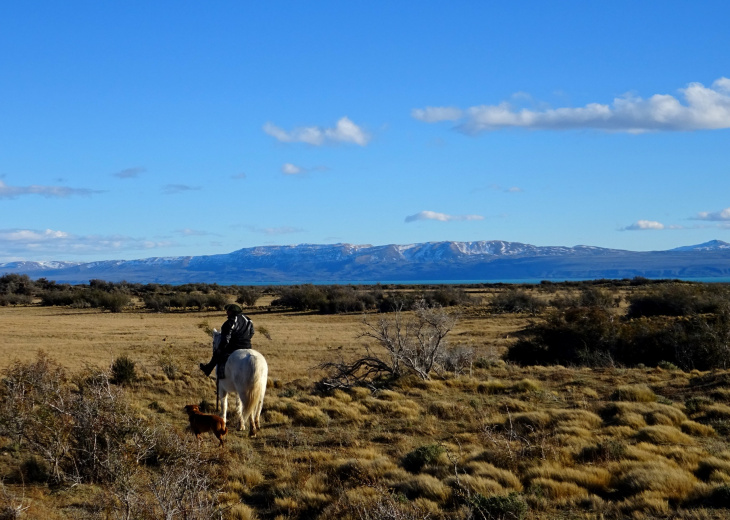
x: 412, y: 343
x: 517, y: 300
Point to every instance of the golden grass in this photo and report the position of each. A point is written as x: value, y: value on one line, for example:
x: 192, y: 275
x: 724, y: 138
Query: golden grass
x: 697, y: 429
x: 714, y: 469
x: 589, y: 477
x: 663, y: 434
x: 558, y: 491
x: 656, y: 475
x: 241, y: 512
x: 638, y: 393
x: 425, y: 486
x: 475, y: 484
x: 565, y: 439
x: 505, y: 478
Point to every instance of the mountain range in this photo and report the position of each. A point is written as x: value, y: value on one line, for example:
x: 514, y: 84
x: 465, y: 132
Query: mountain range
x: 431, y: 262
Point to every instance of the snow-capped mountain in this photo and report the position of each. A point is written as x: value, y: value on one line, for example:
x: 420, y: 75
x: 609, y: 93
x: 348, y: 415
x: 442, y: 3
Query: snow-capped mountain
x: 712, y: 245
x: 489, y: 261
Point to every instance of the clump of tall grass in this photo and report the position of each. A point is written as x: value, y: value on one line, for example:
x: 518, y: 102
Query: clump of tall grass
x: 426, y: 486
x: 656, y: 475
x: 634, y: 393
x: 471, y: 484
x: 595, y: 479
x: 527, y: 385
x: 663, y: 434
x: 301, y: 414
x: 492, y: 386
x: 697, y: 429
x: 503, y: 477
x: 557, y: 492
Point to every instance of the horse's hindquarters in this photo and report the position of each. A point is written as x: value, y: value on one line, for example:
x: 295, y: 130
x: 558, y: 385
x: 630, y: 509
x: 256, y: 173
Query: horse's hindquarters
x: 246, y: 374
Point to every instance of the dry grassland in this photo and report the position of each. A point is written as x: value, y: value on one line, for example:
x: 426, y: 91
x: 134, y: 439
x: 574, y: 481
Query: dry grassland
x: 499, y: 442
x: 298, y: 341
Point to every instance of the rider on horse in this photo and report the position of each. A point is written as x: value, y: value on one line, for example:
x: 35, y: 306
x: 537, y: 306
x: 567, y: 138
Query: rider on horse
x: 236, y: 334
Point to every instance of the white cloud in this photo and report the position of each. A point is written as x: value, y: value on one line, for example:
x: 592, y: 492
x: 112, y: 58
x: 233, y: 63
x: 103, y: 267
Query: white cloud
x: 432, y: 215
x: 642, y: 225
x: 436, y: 114
x: 239, y: 176
x: 11, y: 192
x: 345, y: 131
x: 705, y: 108
x: 723, y: 215
x: 22, y: 243
x: 291, y: 169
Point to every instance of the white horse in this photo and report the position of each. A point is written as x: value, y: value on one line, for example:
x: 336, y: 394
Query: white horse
x: 246, y: 374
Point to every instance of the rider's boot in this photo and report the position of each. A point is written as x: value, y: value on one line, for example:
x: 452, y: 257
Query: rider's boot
x: 207, y: 368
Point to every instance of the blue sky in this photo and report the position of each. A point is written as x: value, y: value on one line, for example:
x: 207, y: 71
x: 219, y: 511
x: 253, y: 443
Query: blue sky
x: 140, y: 129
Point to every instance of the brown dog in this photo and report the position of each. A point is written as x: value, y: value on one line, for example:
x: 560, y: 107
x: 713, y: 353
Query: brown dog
x: 203, y: 422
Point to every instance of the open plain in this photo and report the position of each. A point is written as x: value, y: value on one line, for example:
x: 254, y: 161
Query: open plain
x: 487, y: 439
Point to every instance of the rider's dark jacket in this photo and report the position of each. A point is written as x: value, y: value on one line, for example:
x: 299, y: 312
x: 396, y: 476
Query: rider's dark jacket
x: 235, y: 334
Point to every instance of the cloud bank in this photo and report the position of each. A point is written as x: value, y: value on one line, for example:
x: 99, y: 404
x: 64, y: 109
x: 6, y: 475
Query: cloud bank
x: 60, y: 192
x: 345, y: 131
x: 718, y: 216
x: 641, y: 225
x: 442, y: 217
x: 649, y: 225
x: 704, y: 108
x: 19, y: 243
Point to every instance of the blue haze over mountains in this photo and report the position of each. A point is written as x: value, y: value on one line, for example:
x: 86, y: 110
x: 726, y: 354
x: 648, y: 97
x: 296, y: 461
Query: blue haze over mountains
x: 431, y: 262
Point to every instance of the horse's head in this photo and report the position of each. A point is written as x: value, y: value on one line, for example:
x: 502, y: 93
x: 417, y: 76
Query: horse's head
x: 216, y: 339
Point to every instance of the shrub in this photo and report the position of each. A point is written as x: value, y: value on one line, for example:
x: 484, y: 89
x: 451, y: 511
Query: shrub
x: 517, y: 300
x: 300, y: 298
x: 157, y: 303
x: 678, y: 299
x: 248, y: 295
x: 123, y: 371
x: 458, y: 359
x: 35, y: 469
x: 114, y: 301
x: 595, y: 336
x: 18, y: 284
x: 575, y: 336
x: 447, y: 296
x: 169, y: 366
x: 415, y: 460
x: 411, y: 345
x: 499, y: 507
x: 59, y: 297
x: 15, y: 299
x: 216, y: 301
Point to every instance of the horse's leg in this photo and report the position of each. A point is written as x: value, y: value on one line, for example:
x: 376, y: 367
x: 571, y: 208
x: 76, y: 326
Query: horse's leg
x: 257, y: 414
x: 224, y: 404
x: 239, y: 410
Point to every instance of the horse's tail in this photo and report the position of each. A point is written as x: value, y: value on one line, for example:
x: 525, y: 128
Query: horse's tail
x: 256, y: 386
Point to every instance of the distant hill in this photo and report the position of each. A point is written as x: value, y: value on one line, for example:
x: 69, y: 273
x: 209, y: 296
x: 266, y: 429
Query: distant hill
x: 488, y: 261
